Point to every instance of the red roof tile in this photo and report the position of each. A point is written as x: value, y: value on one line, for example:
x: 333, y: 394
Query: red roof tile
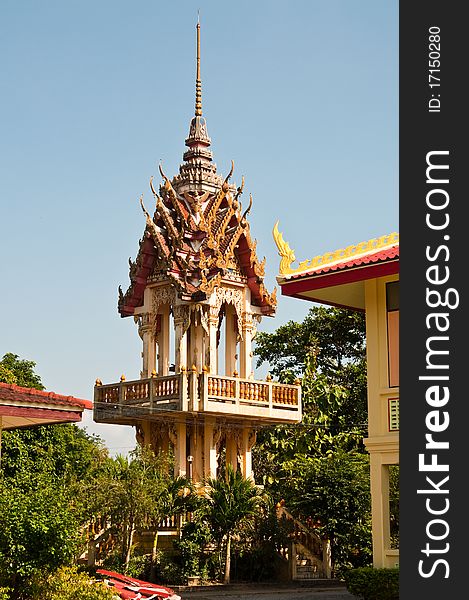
x: 373, y: 257
x: 16, y: 394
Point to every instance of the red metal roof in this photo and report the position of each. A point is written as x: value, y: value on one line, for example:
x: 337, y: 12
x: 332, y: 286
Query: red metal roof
x: 14, y: 394
x: 130, y: 588
x: 368, y: 259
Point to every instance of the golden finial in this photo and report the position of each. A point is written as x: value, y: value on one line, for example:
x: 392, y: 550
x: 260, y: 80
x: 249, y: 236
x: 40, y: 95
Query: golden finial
x: 98, y: 382
x: 284, y: 250
x: 122, y: 378
x: 198, y: 82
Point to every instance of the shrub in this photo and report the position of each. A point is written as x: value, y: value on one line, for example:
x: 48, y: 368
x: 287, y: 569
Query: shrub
x: 373, y: 584
x: 5, y: 593
x: 168, y: 572
x: 67, y: 583
x: 191, y: 548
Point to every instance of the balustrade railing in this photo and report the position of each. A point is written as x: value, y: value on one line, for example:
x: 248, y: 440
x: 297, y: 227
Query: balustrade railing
x: 200, y: 392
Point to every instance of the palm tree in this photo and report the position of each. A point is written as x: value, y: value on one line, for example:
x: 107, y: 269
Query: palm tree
x: 231, y: 503
x: 173, y: 497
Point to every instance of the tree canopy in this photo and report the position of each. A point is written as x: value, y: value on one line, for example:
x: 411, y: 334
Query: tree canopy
x: 319, y: 467
x: 231, y: 503
x: 336, y: 335
x: 19, y: 371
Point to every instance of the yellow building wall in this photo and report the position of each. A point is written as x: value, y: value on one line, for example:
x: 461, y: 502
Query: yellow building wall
x: 383, y: 414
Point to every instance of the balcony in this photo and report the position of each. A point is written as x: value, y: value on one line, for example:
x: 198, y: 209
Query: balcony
x: 190, y: 392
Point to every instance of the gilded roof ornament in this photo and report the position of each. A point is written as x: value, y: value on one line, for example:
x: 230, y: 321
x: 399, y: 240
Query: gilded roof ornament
x: 284, y: 250
x: 329, y: 258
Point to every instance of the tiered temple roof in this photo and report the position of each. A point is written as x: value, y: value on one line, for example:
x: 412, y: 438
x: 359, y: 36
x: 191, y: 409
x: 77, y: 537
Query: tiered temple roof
x: 199, y: 233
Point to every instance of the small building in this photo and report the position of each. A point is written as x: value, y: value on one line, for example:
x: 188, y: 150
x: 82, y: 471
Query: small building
x: 197, y: 295
x: 363, y: 277
x: 28, y: 407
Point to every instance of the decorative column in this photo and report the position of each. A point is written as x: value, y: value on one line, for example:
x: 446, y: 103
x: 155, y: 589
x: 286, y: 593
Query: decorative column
x: 212, y: 340
x: 245, y: 352
x: 181, y: 324
x: 163, y: 342
x: 211, y: 439
x: 231, y: 449
x: 230, y: 341
x: 196, y: 450
x: 178, y: 439
x: 196, y: 340
x: 379, y: 480
x: 146, y: 331
x: 247, y: 441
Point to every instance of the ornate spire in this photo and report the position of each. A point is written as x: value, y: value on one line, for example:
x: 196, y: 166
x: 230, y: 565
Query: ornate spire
x: 198, y: 140
x: 198, y: 82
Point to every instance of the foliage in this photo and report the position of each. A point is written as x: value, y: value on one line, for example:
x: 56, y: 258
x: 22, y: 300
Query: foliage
x: 320, y: 467
x: 135, y: 493
x: 42, y: 473
x: 324, y: 429
x: 333, y: 494
x: 195, y: 537
x: 5, y: 593
x: 128, y: 484
x: 139, y: 566
x: 168, y: 571
x: 60, y: 450
x: 373, y: 584
x: 39, y: 529
x: 336, y: 334
x: 257, y: 551
x: 18, y: 371
x: 67, y: 583
x: 394, y: 505
x: 231, y: 503
x: 331, y: 343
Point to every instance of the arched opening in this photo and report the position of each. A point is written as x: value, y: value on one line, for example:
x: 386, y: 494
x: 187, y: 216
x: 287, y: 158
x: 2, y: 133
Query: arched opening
x: 227, y: 341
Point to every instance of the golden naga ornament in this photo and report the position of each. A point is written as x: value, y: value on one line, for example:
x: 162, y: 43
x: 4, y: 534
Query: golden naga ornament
x: 284, y: 250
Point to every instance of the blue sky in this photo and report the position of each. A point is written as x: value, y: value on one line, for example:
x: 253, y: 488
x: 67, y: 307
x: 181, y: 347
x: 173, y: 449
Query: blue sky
x: 303, y: 96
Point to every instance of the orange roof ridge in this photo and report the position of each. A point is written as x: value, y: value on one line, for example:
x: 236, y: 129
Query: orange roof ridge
x: 36, y: 395
x: 329, y: 259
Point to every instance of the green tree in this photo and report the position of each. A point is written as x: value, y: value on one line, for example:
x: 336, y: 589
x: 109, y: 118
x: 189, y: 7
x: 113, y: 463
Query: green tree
x: 39, y: 528
x: 172, y: 497
x: 336, y: 334
x: 68, y: 583
x: 63, y: 450
x: 325, y: 428
x: 311, y: 465
x: 19, y: 371
x: 336, y: 339
x: 231, y: 503
x: 332, y: 493
x: 42, y: 509
x: 139, y: 493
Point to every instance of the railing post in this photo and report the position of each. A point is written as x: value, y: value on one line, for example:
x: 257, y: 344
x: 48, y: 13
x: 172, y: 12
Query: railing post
x: 183, y: 389
x: 203, y: 400
x: 121, y: 395
x: 193, y: 389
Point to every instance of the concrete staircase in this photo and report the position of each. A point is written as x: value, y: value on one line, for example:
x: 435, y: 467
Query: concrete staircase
x: 308, y: 554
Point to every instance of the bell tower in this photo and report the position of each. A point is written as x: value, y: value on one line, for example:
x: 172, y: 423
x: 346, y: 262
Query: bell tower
x: 197, y: 294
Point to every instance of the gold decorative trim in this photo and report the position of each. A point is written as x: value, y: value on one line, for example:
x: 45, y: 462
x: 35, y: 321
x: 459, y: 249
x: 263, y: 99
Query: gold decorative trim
x: 329, y: 258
